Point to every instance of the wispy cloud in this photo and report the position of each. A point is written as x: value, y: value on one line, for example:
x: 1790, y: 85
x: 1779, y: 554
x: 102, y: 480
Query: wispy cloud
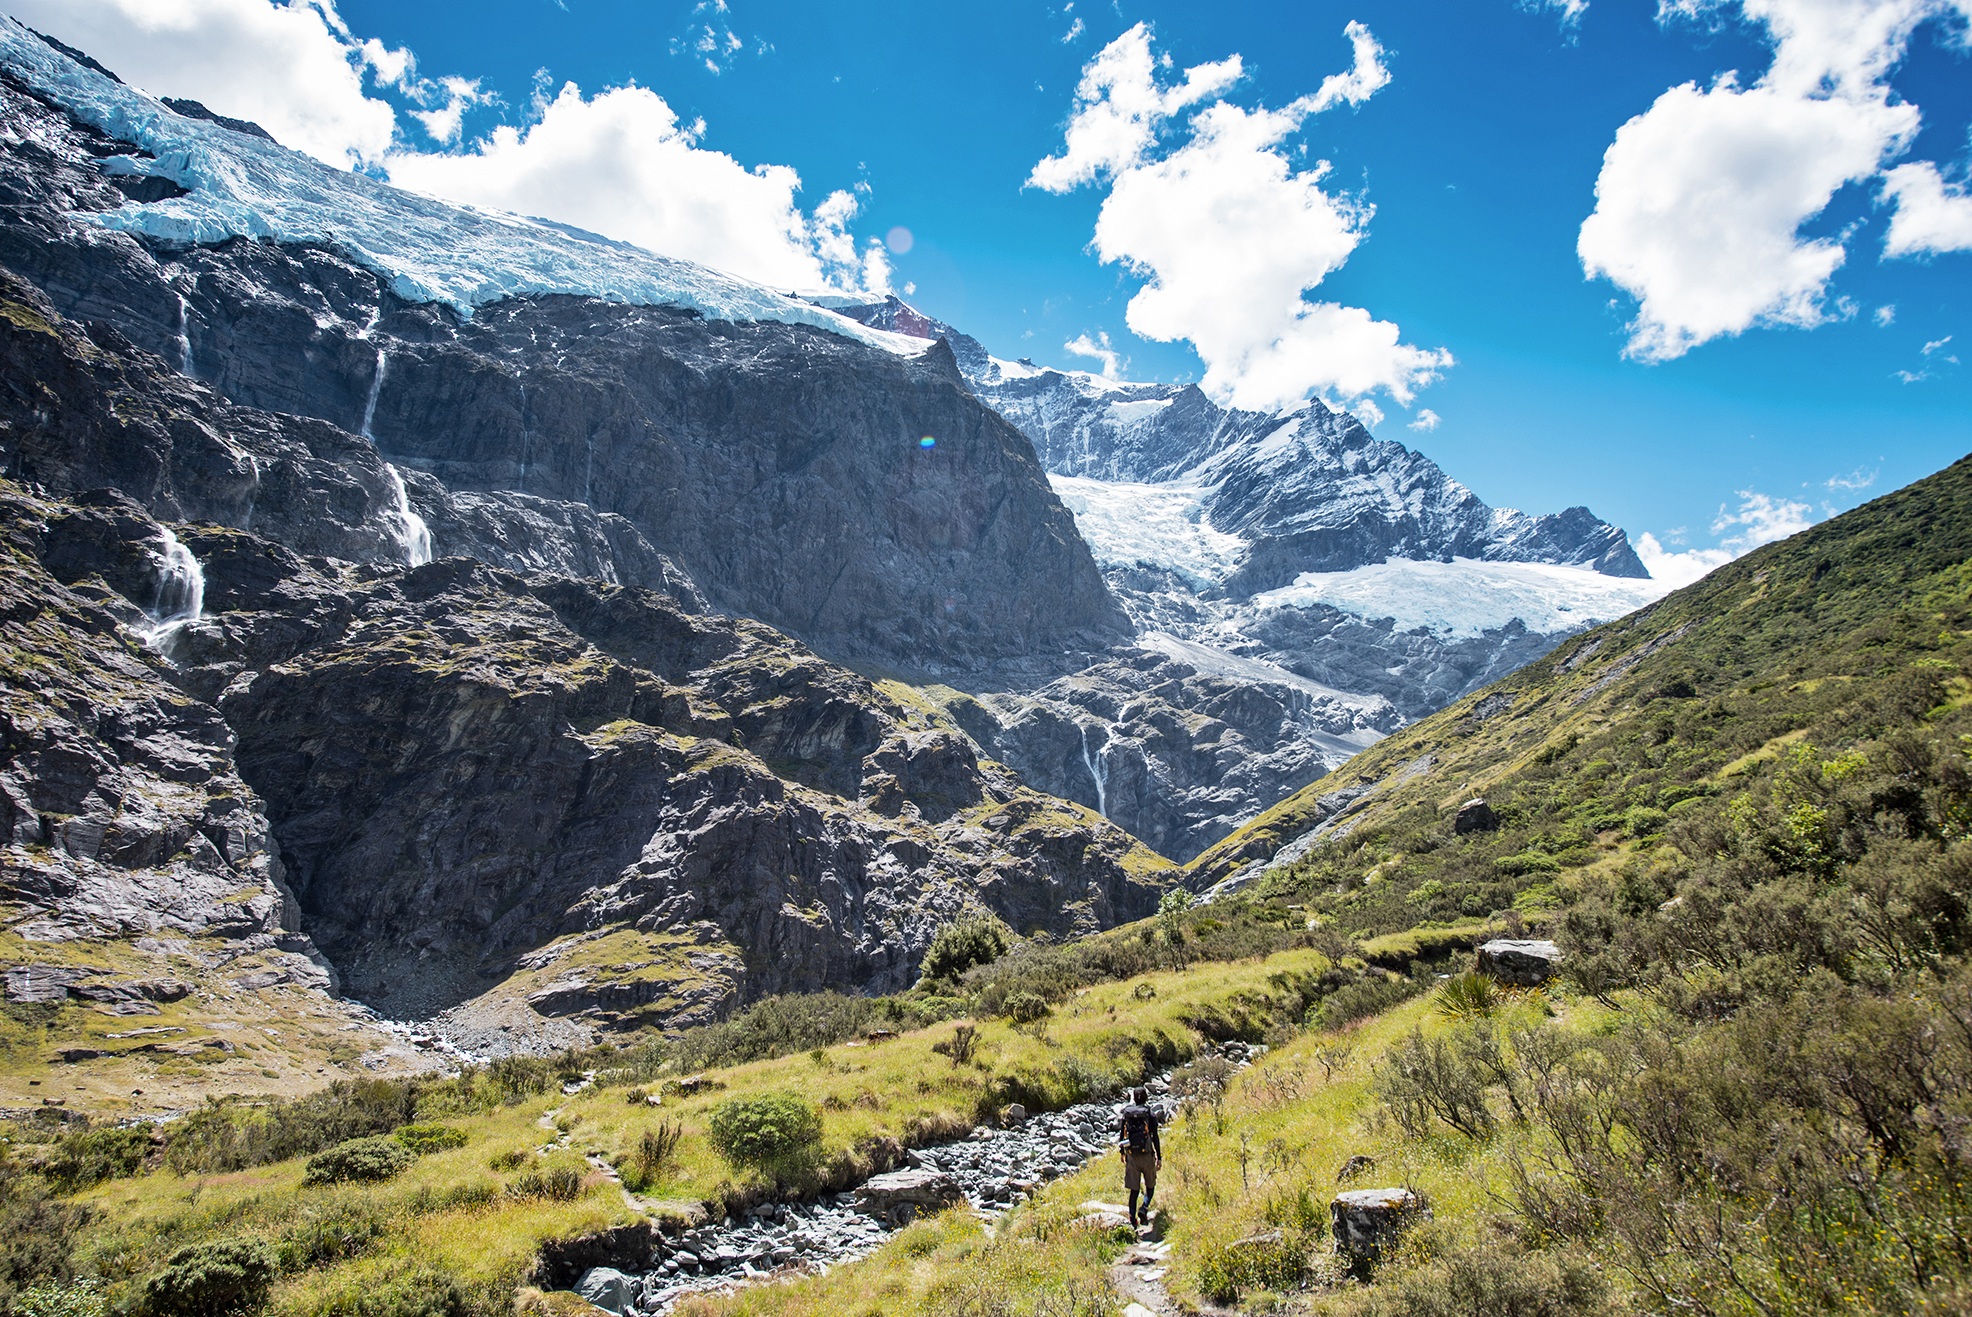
x: 1097, y: 349
x: 1856, y: 481
x: 1759, y: 519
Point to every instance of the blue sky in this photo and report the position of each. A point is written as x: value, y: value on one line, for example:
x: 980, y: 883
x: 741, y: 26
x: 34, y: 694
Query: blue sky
x: 1477, y: 131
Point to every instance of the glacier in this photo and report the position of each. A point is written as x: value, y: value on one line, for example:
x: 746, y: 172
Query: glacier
x: 1468, y: 597
x: 240, y: 186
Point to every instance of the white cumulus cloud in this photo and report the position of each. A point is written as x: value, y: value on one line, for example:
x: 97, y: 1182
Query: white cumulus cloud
x: 1701, y: 198
x: 1427, y: 420
x: 292, y: 68
x: 619, y: 163
x: 1227, y: 234
x: 1759, y: 519
x: 1932, y: 215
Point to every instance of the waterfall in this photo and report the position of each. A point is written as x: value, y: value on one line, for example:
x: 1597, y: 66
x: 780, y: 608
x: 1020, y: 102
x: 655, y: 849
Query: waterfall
x: 1098, y: 766
x: 523, y: 439
x: 412, y: 532
x: 370, y: 403
x: 184, y: 335
x: 180, y: 595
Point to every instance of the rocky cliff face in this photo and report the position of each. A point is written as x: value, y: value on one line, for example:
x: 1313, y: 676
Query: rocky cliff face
x: 517, y: 798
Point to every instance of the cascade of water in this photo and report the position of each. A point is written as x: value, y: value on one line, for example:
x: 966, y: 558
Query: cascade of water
x: 376, y: 387
x: 184, y: 335
x: 412, y: 531
x: 524, y: 438
x: 1098, y: 766
x: 180, y: 594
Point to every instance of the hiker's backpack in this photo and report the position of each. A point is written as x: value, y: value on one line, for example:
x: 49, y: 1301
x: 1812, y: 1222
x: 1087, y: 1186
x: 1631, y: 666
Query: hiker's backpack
x: 1136, y: 1129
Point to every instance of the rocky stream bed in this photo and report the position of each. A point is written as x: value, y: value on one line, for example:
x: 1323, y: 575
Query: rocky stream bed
x: 992, y: 1169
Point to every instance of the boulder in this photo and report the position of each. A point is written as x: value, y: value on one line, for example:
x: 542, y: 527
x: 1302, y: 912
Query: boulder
x: 1355, y: 1166
x: 1474, y: 816
x: 608, y: 1288
x: 1523, y: 962
x: 1368, y: 1222
x: 900, y: 1196
x: 1013, y: 1114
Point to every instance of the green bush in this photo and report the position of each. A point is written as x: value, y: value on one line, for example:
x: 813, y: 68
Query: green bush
x: 773, y: 1132
x: 37, y: 1235
x: 958, y: 947
x: 423, y: 1139
x: 1026, y: 1007
x: 1468, y: 994
x: 90, y: 1156
x: 1360, y: 1000
x: 375, y: 1158
x: 82, y: 1298
x: 224, y: 1278
x: 330, y: 1232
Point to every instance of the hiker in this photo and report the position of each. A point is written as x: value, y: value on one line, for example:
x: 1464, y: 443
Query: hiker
x: 1142, y: 1153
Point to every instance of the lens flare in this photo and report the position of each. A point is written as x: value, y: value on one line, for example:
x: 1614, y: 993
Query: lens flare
x: 927, y: 443
x: 899, y: 240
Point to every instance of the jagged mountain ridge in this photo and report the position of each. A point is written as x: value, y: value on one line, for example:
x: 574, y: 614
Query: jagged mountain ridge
x: 1309, y: 490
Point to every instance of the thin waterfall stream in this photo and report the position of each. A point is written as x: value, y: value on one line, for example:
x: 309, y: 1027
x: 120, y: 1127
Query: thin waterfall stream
x: 180, y: 595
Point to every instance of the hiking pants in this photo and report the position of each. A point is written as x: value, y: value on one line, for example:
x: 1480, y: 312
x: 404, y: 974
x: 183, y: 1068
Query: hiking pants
x: 1140, y: 1167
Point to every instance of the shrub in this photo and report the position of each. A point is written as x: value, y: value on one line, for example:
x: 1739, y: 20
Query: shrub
x: 217, y: 1279
x: 330, y: 1232
x: 773, y: 1132
x: 80, y: 1299
x: 376, y: 1158
x: 958, y: 947
x: 37, y: 1234
x: 422, y: 1139
x: 962, y: 1044
x: 1466, y: 995
x: 657, y: 1148
x: 1439, y: 1077
x: 1026, y: 1007
x: 561, y: 1184
x: 1269, y: 1261
x: 90, y: 1156
x: 1490, y: 1281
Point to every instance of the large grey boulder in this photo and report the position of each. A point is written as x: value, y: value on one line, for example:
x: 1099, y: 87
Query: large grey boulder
x: 1474, y: 816
x: 1368, y: 1222
x: 1522, y: 962
x: 608, y: 1288
x: 901, y: 1196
